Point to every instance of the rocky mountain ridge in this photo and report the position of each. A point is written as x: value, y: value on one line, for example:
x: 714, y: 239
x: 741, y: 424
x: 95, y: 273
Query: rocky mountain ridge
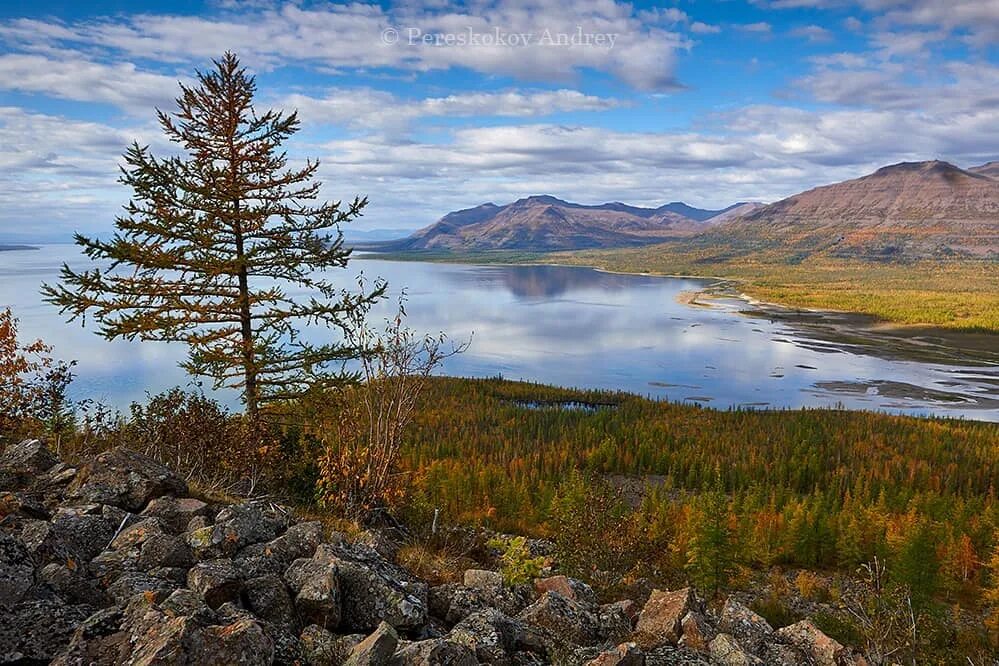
x: 911, y: 210
x: 546, y: 223
x: 114, y: 562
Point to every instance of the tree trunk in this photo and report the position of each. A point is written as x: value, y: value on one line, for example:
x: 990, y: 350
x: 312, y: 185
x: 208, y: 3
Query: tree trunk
x: 246, y: 331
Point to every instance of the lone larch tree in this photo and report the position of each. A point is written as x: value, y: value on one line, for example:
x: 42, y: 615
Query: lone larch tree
x: 214, y: 241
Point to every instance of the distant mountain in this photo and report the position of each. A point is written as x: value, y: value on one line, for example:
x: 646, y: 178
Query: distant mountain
x: 545, y: 223
x: 990, y: 169
x: 912, y: 209
x: 12, y: 248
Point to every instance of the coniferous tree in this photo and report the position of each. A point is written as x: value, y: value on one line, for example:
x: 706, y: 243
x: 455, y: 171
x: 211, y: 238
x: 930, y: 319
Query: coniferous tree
x: 711, y: 553
x: 214, y: 242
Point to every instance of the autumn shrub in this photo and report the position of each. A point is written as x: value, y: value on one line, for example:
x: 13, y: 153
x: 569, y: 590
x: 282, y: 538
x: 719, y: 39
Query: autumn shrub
x: 360, y: 426
x: 812, y: 586
x: 33, y: 386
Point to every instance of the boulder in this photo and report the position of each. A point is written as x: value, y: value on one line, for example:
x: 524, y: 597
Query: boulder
x: 175, y: 513
x: 317, y: 591
x: 751, y: 630
x: 726, y: 651
x: 164, y: 551
x: 131, y: 583
x: 373, y: 589
x: 23, y: 462
x: 375, y: 650
x: 98, y: 640
x: 625, y: 654
x: 570, y: 588
x: 696, y: 631
x: 217, y: 581
x: 563, y: 619
x: 495, y: 638
x: 188, y: 603
x: 125, y: 479
x: 17, y: 571
x: 659, y: 621
x: 273, y: 557
x: 485, y: 580
x: 434, y: 652
x: 269, y: 600
x: 321, y: 647
x: 808, y: 638
x: 72, y: 585
x: 38, y: 630
x: 136, y: 534
x: 238, y: 526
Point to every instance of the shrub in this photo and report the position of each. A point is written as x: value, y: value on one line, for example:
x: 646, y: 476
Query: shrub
x: 516, y: 563
x: 33, y: 386
x: 811, y: 586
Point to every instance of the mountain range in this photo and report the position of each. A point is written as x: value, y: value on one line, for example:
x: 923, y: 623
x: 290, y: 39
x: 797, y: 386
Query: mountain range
x: 545, y: 223
x: 911, y: 209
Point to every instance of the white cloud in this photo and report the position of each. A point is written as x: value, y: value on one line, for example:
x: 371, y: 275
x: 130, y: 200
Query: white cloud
x: 374, y: 109
x: 813, y: 33
x: 120, y: 84
x: 642, y: 54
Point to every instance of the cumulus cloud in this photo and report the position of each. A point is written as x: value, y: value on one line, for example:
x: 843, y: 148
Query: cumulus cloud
x: 119, y: 84
x: 638, y: 48
x: 374, y: 109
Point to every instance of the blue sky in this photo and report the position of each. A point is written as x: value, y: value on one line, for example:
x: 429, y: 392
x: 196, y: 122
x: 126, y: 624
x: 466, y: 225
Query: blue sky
x: 430, y: 107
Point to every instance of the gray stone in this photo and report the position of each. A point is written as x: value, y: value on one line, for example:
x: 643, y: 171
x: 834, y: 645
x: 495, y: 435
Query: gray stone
x: 175, y: 513
x: 17, y: 571
x: 726, y: 651
x: 125, y: 479
x: 317, y: 591
x: 375, y: 650
x: 750, y: 629
x: 269, y: 600
x: 217, y: 581
x: 563, y: 619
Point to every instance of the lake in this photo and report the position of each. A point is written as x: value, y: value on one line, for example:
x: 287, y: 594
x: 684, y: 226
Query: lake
x: 579, y: 327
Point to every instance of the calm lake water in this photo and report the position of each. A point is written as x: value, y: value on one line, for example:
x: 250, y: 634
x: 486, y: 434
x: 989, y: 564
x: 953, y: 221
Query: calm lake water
x: 584, y: 328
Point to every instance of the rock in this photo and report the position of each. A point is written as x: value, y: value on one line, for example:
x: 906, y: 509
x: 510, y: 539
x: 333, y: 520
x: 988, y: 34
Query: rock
x: 72, y: 585
x: 317, y: 591
x: 98, y: 640
x: 629, y: 607
x: 625, y: 654
x: 242, y: 642
x: 614, y: 624
x: 136, y: 534
x: 269, y: 600
x: 39, y: 630
x: 43, y: 543
x: 659, y: 621
x: 373, y: 590
x: 164, y: 551
x: 454, y: 602
x: 17, y: 571
x: 111, y: 564
x: 385, y: 542
x: 751, y: 630
x: 564, y: 619
x: 22, y: 463
x: 125, y: 479
x: 236, y: 527
x: 376, y: 649
x: 273, y: 557
x: 696, y: 631
x: 496, y: 638
x: 808, y: 638
x: 217, y: 581
x: 434, y: 652
x: 321, y: 647
x: 188, y: 603
x: 175, y: 513
x: 483, y: 579
x: 131, y: 583
x: 726, y: 651
x: 570, y: 588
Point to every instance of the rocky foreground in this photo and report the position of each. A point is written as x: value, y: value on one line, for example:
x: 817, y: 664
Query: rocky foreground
x: 115, y: 563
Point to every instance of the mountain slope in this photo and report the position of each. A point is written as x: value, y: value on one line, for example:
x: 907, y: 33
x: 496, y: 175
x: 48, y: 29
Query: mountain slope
x: 913, y: 209
x: 545, y: 223
x: 990, y: 169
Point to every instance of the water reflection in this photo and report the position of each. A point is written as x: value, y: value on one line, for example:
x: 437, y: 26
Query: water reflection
x: 579, y: 327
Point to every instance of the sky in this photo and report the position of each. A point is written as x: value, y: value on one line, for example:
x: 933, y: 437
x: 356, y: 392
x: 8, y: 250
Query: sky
x: 428, y: 107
